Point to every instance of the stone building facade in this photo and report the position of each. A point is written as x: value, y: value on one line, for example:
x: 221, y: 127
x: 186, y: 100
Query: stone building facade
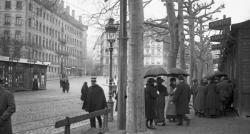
x: 48, y: 32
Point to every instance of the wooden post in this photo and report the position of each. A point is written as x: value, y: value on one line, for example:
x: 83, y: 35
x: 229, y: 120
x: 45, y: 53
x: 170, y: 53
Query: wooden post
x: 105, y: 123
x: 67, y: 127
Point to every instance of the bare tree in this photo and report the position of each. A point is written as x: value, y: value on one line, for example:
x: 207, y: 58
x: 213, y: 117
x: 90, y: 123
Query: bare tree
x: 136, y: 103
x: 195, y: 10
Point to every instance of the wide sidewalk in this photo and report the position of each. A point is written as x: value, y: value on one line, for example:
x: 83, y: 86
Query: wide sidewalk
x: 230, y: 124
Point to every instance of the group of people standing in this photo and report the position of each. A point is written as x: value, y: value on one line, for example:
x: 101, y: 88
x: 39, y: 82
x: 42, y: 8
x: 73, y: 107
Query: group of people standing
x: 178, y: 104
x: 212, y: 97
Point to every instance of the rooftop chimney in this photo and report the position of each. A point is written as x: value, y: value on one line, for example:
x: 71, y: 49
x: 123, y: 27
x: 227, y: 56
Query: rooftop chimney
x: 73, y: 13
x: 67, y: 9
x: 62, y: 4
x: 80, y: 19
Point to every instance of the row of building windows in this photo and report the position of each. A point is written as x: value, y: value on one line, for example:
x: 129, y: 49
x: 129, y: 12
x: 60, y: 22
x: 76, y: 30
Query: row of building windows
x: 50, y: 44
x: 157, y: 51
x: 44, y: 43
x: 52, y: 18
x: 18, y: 20
x: 55, y: 59
x: 19, y: 5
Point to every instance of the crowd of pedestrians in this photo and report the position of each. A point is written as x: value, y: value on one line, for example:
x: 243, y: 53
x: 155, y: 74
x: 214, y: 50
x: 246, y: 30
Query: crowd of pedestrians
x: 178, y: 104
x: 212, y: 97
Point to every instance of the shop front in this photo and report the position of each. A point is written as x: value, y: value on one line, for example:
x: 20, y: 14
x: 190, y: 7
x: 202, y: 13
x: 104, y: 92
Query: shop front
x: 20, y: 74
x: 236, y: 63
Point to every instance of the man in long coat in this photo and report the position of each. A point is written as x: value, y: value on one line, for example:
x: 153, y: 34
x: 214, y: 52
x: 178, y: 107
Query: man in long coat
x: 181, y: 98
x: 95, y: 101
x: 194, y: 92
x: 7, y: 108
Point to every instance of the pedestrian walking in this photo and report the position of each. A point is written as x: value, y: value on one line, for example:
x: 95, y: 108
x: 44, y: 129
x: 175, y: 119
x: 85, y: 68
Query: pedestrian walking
x: 181, y: 99
x: 199, y: 103
x: 95, y: 101
x: 160, y: 101
x: 150, y: 102
x: 212, y: 103
x: 7, y: 108
x: 84, y: 92
x: 194, y: 92
x: 171, y: 108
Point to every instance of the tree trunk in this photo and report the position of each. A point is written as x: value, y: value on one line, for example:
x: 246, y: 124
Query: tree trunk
x: 191, y: 43
x: 136, y: 101
x: 181, y: 35
x: 173, y: 30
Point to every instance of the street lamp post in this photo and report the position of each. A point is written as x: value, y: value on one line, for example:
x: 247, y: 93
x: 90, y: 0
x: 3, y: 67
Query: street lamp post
x: 111, y: 30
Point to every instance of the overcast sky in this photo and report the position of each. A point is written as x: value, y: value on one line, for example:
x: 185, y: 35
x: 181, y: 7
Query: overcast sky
x: 238, y: 10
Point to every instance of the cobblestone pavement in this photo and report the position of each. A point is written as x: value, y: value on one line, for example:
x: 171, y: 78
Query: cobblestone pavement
x: 37, y: 111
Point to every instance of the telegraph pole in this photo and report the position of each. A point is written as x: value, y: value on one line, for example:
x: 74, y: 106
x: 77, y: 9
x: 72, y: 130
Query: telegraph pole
x: 122, y: 76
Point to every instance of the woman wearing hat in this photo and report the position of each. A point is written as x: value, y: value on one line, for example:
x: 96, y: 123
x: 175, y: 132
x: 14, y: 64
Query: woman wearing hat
x: 150, y: 101
x: 160, y: 105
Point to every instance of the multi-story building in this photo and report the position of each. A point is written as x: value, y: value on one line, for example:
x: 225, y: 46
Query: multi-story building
x: 102, y: 56
x: 153, y: 54
x: 48, y: 34
x: 48, y: 30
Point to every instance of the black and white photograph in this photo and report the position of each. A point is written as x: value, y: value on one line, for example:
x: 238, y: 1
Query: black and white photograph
x: 124, y: 67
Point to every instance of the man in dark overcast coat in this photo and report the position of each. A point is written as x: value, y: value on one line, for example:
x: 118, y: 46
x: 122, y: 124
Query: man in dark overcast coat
x: 95, y: 101
x: 181, y: 98
x: 7, y: 108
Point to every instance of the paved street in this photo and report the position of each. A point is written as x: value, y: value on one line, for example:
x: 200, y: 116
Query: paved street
x: 37, y: 111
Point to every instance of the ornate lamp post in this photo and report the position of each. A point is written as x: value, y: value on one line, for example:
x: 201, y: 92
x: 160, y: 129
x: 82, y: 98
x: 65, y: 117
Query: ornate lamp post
x: 111, y: 30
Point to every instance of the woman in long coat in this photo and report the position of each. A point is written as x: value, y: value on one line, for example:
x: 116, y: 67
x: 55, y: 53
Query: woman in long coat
x: 150, y: 101
x: 212, y: 105
x: 170, y: 113
x: 199, y: 103
x: 160, y: 105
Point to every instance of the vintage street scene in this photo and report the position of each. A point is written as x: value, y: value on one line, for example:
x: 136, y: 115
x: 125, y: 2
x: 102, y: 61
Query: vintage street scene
x: 124, y: 67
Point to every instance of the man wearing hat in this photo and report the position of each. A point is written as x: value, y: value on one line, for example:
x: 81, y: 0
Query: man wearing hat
x: 181, y: 99
x: 160, y: 105
x: 95, y: 101
x: 7, y: 108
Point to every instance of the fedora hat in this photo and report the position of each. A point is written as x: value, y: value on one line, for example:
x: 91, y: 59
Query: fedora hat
x: 159, y: 79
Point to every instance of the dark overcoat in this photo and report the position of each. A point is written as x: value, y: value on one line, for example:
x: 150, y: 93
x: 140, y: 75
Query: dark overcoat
x: 160, y: 102
x: 225, y: 90
x: 212, y: 104
x: 7, y: 108
x: 199, y: 103
x: 181, y: 98
x: 95, y: 99
x: 150, y: 101
x: 84, y: 92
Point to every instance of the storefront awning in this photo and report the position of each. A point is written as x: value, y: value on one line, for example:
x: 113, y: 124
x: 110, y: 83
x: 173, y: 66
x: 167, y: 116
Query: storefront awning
x: 25, y: 61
